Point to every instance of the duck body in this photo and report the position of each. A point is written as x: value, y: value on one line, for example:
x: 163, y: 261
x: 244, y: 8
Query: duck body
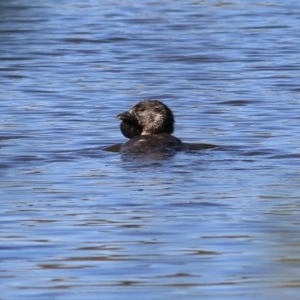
x: 155, y: 143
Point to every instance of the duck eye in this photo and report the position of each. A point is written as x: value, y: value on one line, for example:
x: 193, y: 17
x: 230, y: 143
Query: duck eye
x: 141, y: 108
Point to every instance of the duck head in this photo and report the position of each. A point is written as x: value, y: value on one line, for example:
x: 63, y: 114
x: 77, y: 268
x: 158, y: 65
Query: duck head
x: 146, y: 118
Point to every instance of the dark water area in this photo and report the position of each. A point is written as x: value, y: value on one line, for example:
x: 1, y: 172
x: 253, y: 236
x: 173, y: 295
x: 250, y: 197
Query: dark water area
x: 79, y: 222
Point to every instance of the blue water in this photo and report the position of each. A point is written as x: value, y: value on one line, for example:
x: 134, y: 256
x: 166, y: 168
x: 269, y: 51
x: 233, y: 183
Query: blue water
x: 79, y: 222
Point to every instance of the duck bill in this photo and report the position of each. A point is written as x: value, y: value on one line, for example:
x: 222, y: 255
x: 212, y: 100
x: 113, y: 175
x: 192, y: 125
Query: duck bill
x: 125, y: 116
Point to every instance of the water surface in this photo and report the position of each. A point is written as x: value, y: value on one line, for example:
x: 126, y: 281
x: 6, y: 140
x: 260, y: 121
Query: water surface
x: 80, y: 222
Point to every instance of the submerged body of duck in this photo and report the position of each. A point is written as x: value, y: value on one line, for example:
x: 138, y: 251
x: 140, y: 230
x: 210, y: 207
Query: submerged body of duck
x: 149, y: 126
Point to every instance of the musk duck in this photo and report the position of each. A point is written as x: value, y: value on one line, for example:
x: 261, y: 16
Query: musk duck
x: 149, y: 126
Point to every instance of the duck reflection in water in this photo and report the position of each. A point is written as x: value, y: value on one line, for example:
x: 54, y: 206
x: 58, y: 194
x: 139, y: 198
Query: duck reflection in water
x: 149, y: 126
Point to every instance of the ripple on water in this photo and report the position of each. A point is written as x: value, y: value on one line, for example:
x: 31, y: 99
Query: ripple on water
x: 79, y: 222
